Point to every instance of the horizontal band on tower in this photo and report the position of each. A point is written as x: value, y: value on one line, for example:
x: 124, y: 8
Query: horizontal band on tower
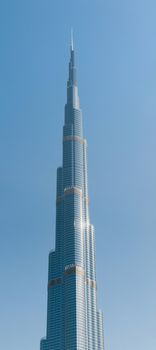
x: 74, y: 138
x: 71, y: 190
x: 78, y: 270
x: 59, y: 199
x: 55, y: 282
x: 68, y: 191
x: 91, y: 283
x: 87, y: 200
x: 75, y: 269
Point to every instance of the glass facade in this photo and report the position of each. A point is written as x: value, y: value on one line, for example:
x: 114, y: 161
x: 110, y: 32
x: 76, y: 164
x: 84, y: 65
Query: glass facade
x: 74, y: 321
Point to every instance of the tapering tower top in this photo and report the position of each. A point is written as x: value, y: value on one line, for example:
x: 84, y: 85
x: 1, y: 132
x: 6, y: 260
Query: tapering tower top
x: 72, y: 41
x: 72, y: 89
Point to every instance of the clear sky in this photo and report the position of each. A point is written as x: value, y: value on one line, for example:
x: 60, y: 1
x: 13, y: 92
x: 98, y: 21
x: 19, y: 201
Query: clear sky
x: 115, y: 43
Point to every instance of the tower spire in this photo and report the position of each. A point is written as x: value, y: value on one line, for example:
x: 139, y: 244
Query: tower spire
x: 72, y: 88
x: 71, y: 40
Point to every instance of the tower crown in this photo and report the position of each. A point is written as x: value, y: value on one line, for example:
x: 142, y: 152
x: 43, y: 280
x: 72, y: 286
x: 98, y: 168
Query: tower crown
x: 72, y: 88
x: 72, y: 40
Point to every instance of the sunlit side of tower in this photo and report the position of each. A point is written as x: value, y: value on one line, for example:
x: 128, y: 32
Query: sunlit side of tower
x: 74, y: 321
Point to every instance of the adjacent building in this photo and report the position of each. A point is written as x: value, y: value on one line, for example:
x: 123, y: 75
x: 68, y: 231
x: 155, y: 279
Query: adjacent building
x: 74, y: 321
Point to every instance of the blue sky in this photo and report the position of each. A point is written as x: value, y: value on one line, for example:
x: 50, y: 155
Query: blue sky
x: 116, y: 60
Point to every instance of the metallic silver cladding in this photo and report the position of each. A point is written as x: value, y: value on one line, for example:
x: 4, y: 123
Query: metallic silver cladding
x: 73, y: 319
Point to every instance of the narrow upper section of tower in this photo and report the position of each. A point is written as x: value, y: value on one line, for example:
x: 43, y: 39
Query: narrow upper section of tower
x: 72, y: 89
x: 72, y: 41
x: 72, y: 68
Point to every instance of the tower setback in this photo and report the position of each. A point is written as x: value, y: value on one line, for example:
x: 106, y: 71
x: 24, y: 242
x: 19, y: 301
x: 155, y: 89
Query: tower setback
x: 74, y: 321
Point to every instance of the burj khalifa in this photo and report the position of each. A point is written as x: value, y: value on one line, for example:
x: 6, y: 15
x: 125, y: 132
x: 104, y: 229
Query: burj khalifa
x: 74, y: 321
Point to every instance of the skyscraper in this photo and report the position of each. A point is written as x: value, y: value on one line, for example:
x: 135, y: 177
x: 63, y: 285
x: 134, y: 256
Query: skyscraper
x: 74, y: 321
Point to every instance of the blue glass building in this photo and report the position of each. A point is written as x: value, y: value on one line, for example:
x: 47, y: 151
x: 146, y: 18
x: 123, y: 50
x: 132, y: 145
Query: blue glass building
x: 74, y: 321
